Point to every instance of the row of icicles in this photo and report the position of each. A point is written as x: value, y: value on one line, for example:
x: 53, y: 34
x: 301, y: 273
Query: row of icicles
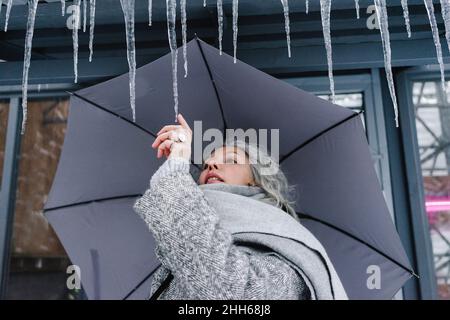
x: 128, y: 8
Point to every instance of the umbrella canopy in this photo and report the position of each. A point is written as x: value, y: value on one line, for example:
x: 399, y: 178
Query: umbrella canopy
x: 107, y: 162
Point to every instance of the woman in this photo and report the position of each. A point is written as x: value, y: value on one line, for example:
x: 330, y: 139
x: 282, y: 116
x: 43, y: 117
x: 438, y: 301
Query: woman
x: 233, y: 235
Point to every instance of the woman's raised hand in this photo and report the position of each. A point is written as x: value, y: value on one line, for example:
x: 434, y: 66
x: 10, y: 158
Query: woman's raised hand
x: 174, y: 140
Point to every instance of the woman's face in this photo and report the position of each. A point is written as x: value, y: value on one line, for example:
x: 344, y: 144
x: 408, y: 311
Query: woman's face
x: 227, y: 165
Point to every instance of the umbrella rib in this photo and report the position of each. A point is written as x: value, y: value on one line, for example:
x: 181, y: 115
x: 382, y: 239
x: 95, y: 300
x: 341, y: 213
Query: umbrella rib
x: 90, y: 201
x: 225, y: 126
x: 307, y: 216
x: 318, y: 135
x: 162, y: 287
x: 113, y: 113
x: 140, y: 283
x: 117, y: 115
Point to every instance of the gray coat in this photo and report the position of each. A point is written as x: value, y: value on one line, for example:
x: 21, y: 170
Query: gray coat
x: 206, y: 260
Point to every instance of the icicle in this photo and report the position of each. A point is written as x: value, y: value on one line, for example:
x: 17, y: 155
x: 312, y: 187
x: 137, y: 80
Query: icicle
x: 381, y: 10
x: 32, y: 8
x: 171, y: 7
x: 91, y: 28
x: 128, y: 13
x: 235, y: 27
x: 325, y: 11
x: 8, y: 12
x: 437, y: 41
x: 150, y: 5
x: 63, y: 7
x: 84, y: 15
x: 76, y: 25
x: 220, y: 23
x: 307, y: 6
x: 285, y: 4
x: 445, y: 8
x: 184, y: 32
x: 39, y: 87
x: 406, y: 16
x: 357, y: 8
x: 204, y: 3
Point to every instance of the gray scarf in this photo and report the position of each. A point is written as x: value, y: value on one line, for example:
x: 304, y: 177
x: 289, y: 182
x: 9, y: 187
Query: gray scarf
x: 253, y: 218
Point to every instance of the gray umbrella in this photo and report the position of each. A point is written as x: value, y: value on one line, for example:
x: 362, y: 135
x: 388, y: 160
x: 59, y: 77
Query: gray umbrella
x: 107, y: 162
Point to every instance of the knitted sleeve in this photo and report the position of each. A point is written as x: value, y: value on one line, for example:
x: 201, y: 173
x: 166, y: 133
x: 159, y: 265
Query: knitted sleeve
x: 199, y: 253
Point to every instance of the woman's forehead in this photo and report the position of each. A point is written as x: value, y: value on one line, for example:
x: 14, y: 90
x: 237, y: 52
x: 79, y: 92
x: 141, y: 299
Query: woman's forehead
x: 228, y: 149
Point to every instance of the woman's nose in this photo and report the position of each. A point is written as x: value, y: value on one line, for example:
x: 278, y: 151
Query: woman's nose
x: 210, y: 165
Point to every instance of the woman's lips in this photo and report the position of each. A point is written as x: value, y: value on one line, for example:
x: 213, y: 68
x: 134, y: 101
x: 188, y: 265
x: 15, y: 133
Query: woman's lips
x: 213, y: 177
x: 213, y: 180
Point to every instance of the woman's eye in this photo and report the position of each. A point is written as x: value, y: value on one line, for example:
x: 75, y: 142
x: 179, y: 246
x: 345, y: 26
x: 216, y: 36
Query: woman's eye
x: 231, y: 160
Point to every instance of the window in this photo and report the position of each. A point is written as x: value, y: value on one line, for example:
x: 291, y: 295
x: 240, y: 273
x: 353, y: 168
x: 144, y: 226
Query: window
x: 4, y: 106
x: 432, y: 117
x: 353, y: 101
x: 38, y: 261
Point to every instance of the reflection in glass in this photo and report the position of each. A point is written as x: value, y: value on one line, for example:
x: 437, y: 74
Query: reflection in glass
x: 348, y: 100
x: 432, y: 113
x: 4, y: 106
x: 38, y: 261
x: 353, y: 101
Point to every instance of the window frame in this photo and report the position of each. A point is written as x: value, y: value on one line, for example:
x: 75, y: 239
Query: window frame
x: 13, y: 93
x: 418, y: 225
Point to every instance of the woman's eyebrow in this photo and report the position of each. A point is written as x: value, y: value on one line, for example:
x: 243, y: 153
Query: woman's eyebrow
x: 233, y: 152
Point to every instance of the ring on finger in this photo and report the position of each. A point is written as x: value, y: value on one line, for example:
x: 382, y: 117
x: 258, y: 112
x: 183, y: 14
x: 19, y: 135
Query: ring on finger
x: 178, y: 136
